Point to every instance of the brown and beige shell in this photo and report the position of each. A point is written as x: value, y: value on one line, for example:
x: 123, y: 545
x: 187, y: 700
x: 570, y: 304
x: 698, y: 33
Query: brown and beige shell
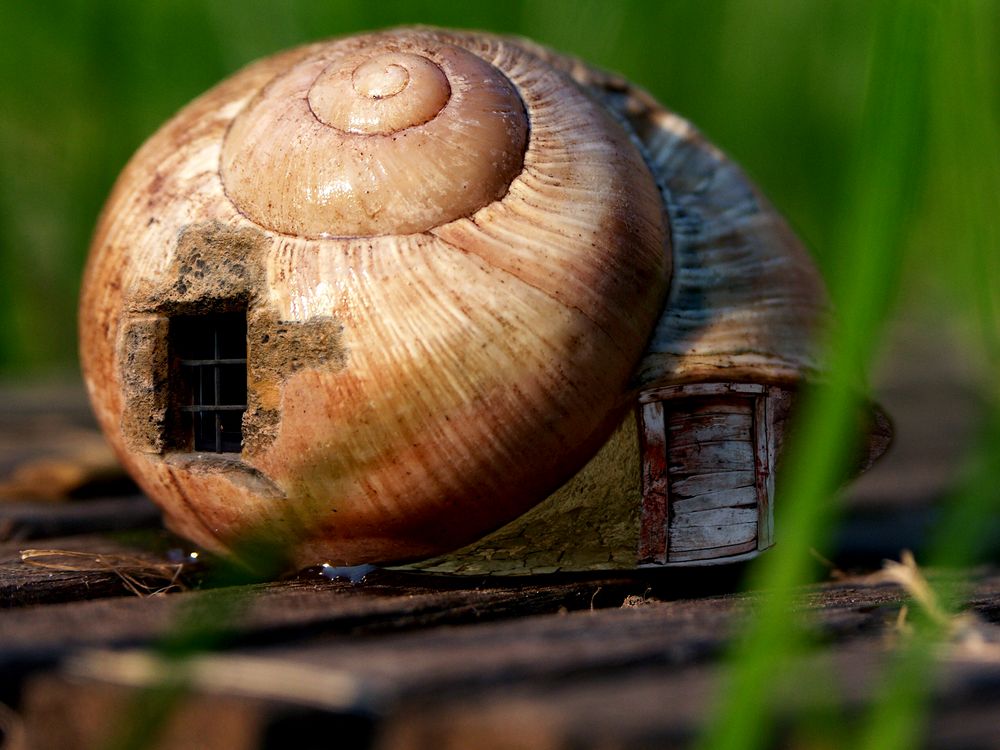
x: 454, y: 251
x: 746, y: 304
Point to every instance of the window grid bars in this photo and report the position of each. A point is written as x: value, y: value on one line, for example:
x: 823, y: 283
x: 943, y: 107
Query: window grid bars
x: 201, y: 410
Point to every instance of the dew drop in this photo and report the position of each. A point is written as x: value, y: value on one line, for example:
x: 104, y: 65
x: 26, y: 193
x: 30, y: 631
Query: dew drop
x: 355, y: 574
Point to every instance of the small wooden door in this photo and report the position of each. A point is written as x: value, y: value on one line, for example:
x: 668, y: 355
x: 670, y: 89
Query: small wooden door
x: 708, y: 464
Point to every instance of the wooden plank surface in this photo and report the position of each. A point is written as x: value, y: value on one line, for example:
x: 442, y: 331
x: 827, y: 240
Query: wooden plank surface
x: 418, y: 685
x: 90, y: 567
x: 727, y: 516
x: 691, y: 429
x: 698, y: 537
x: 24, y: 521
x: 717, y: 552
x: 410, y: 663
x: 740, y: 497
x: 700, y: 484
x: 663, y: 707
x: 725, y: 455
x: 311, y: 604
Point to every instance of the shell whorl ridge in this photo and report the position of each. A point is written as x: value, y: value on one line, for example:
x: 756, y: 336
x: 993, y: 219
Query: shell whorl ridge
x: 393, y: 137
x: 451, y: 258
x: 461, y: 259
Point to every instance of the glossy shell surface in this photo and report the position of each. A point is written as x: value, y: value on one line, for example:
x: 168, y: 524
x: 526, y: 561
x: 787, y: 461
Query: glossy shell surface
x: 445, y: 306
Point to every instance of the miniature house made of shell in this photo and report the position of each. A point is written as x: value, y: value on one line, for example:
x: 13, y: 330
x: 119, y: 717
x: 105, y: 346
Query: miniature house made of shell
x: 689, y: 476
x: 382, y: 297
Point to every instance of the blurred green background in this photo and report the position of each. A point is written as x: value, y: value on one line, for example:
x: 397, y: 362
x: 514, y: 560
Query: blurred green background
x: 778, y: 84
x: 872, y: 124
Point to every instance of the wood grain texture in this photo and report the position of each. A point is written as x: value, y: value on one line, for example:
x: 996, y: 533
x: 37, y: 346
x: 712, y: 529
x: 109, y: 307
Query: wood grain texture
x: 416, y: 686
x: 720, y: 387
x: 102, y: 566
x: 699, y: 552
x: 715, y: 517
x: 770, y: 416
x: 719, y: 425
x: 609, y: 677
x: 713, y: 443
x: 299, y: 608
x: 655, y: 451
x: 714, y: 537
x: 741, y: 497
x: 665, y: 708
x: 701, y: 485
x: 710, y: 457
x: 681, y: 631
x: 24, y: 521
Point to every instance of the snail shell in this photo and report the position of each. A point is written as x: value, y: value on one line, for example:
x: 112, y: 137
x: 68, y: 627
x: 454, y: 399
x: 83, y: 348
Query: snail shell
x: 745, y: 305
x: 451, y: 257
x: 461, y: 259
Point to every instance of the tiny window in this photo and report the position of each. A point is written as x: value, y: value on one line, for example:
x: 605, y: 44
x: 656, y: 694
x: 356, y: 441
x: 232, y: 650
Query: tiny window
x: 210, y: 352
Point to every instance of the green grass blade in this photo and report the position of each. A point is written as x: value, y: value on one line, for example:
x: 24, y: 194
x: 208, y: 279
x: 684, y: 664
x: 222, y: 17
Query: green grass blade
x: 887, y: 178
x: 968, y: 200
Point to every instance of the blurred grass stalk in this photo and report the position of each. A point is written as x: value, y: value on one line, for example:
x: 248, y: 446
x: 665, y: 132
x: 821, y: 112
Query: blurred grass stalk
x: 929, y: 68
x: 208, y: 623
x: 966, y: 161
x: 888, y: 174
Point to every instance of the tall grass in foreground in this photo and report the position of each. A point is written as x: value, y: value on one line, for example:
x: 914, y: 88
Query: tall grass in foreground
x: 777, y: 84
x: 929, y: 131
x: 968, y: 164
